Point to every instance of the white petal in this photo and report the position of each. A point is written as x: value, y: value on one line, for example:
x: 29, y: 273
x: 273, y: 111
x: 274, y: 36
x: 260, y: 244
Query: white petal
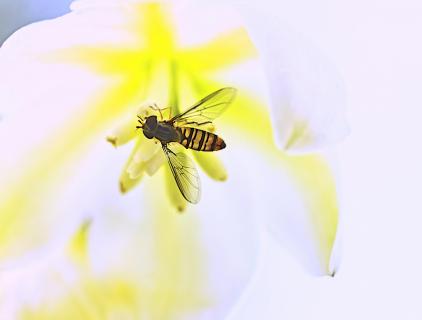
x: 54, y: 197
x: 32, y: 79
x: 44, y: 161
x: 190, y: 266
x: 301, y: 209
x: 307, y: 93
x: 45, y: 279
x: 196, y: 24
x: 197, y: 263
x: 211, y: 253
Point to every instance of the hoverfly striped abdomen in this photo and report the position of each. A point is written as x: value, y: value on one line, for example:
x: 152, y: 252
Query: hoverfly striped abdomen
x: 200, y: 140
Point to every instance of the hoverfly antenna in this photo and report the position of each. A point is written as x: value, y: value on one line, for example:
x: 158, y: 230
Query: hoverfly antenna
x: 141, y: 122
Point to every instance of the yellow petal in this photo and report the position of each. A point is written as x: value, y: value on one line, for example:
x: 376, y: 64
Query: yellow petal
x: 212, y: 165
x: 132, y: 172
x: 227, y: 49
x: 103, y: 60
x: 135, y: 170
x: 159, y: 29
x: 126, y: 183
x: 146, y: 149
x: 124, y: 132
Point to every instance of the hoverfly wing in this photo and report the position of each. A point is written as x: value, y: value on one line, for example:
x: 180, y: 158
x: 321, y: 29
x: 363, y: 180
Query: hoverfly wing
x: 185, y: 174
x: 207, y: 109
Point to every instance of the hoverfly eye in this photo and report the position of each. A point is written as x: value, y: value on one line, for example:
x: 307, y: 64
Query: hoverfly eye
x: 151, y: 122
x: 148, y: 134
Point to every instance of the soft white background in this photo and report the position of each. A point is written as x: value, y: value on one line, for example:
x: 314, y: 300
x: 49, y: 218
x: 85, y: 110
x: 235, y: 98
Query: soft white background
x: 377, y: 46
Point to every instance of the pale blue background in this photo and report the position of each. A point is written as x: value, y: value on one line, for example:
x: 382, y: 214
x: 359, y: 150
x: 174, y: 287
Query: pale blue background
x: 17, y: 13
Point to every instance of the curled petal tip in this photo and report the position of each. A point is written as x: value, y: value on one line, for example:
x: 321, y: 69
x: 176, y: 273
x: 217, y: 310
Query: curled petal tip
x: 112, y: 140
x: 87, y: 223
x: 181, y: 206
x: 122, y: 187
x: 123, y: 133
x: 126, y: 183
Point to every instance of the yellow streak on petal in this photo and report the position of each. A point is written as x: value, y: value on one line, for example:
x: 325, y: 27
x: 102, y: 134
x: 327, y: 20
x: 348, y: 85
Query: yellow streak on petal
x: 78, y: 247
x: 91, y: 299
x: 314, y: 178
x: 151, y: 24
x: 103, y: 60
x: 310, y: 173
x: 226, y: 50
x: 24, y: 204
x: 179, y: 282
x: 159, y: 86
x: 212, y: 165
x: 114, y: 297
x: 68, y: 311
x: 156, y: 21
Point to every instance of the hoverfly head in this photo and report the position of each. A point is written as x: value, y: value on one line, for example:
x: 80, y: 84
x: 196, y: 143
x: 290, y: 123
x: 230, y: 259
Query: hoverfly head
x: 151, y: 123
x: 150, y: 126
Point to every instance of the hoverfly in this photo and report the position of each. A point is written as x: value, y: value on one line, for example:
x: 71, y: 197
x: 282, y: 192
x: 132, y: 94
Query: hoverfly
x: 187, y: 129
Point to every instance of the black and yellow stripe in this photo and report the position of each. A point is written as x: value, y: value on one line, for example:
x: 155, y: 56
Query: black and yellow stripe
x: 200, y: 140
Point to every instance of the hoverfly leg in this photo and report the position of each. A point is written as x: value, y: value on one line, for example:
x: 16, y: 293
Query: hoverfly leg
x: 141, y: 121
x: 160, y: 110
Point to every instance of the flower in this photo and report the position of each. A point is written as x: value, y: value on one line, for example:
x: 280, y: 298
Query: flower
x: 76, y: 77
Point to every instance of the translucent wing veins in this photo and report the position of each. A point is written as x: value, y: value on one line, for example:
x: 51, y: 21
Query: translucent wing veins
x: 185, y: 174
x: 207, y: 109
